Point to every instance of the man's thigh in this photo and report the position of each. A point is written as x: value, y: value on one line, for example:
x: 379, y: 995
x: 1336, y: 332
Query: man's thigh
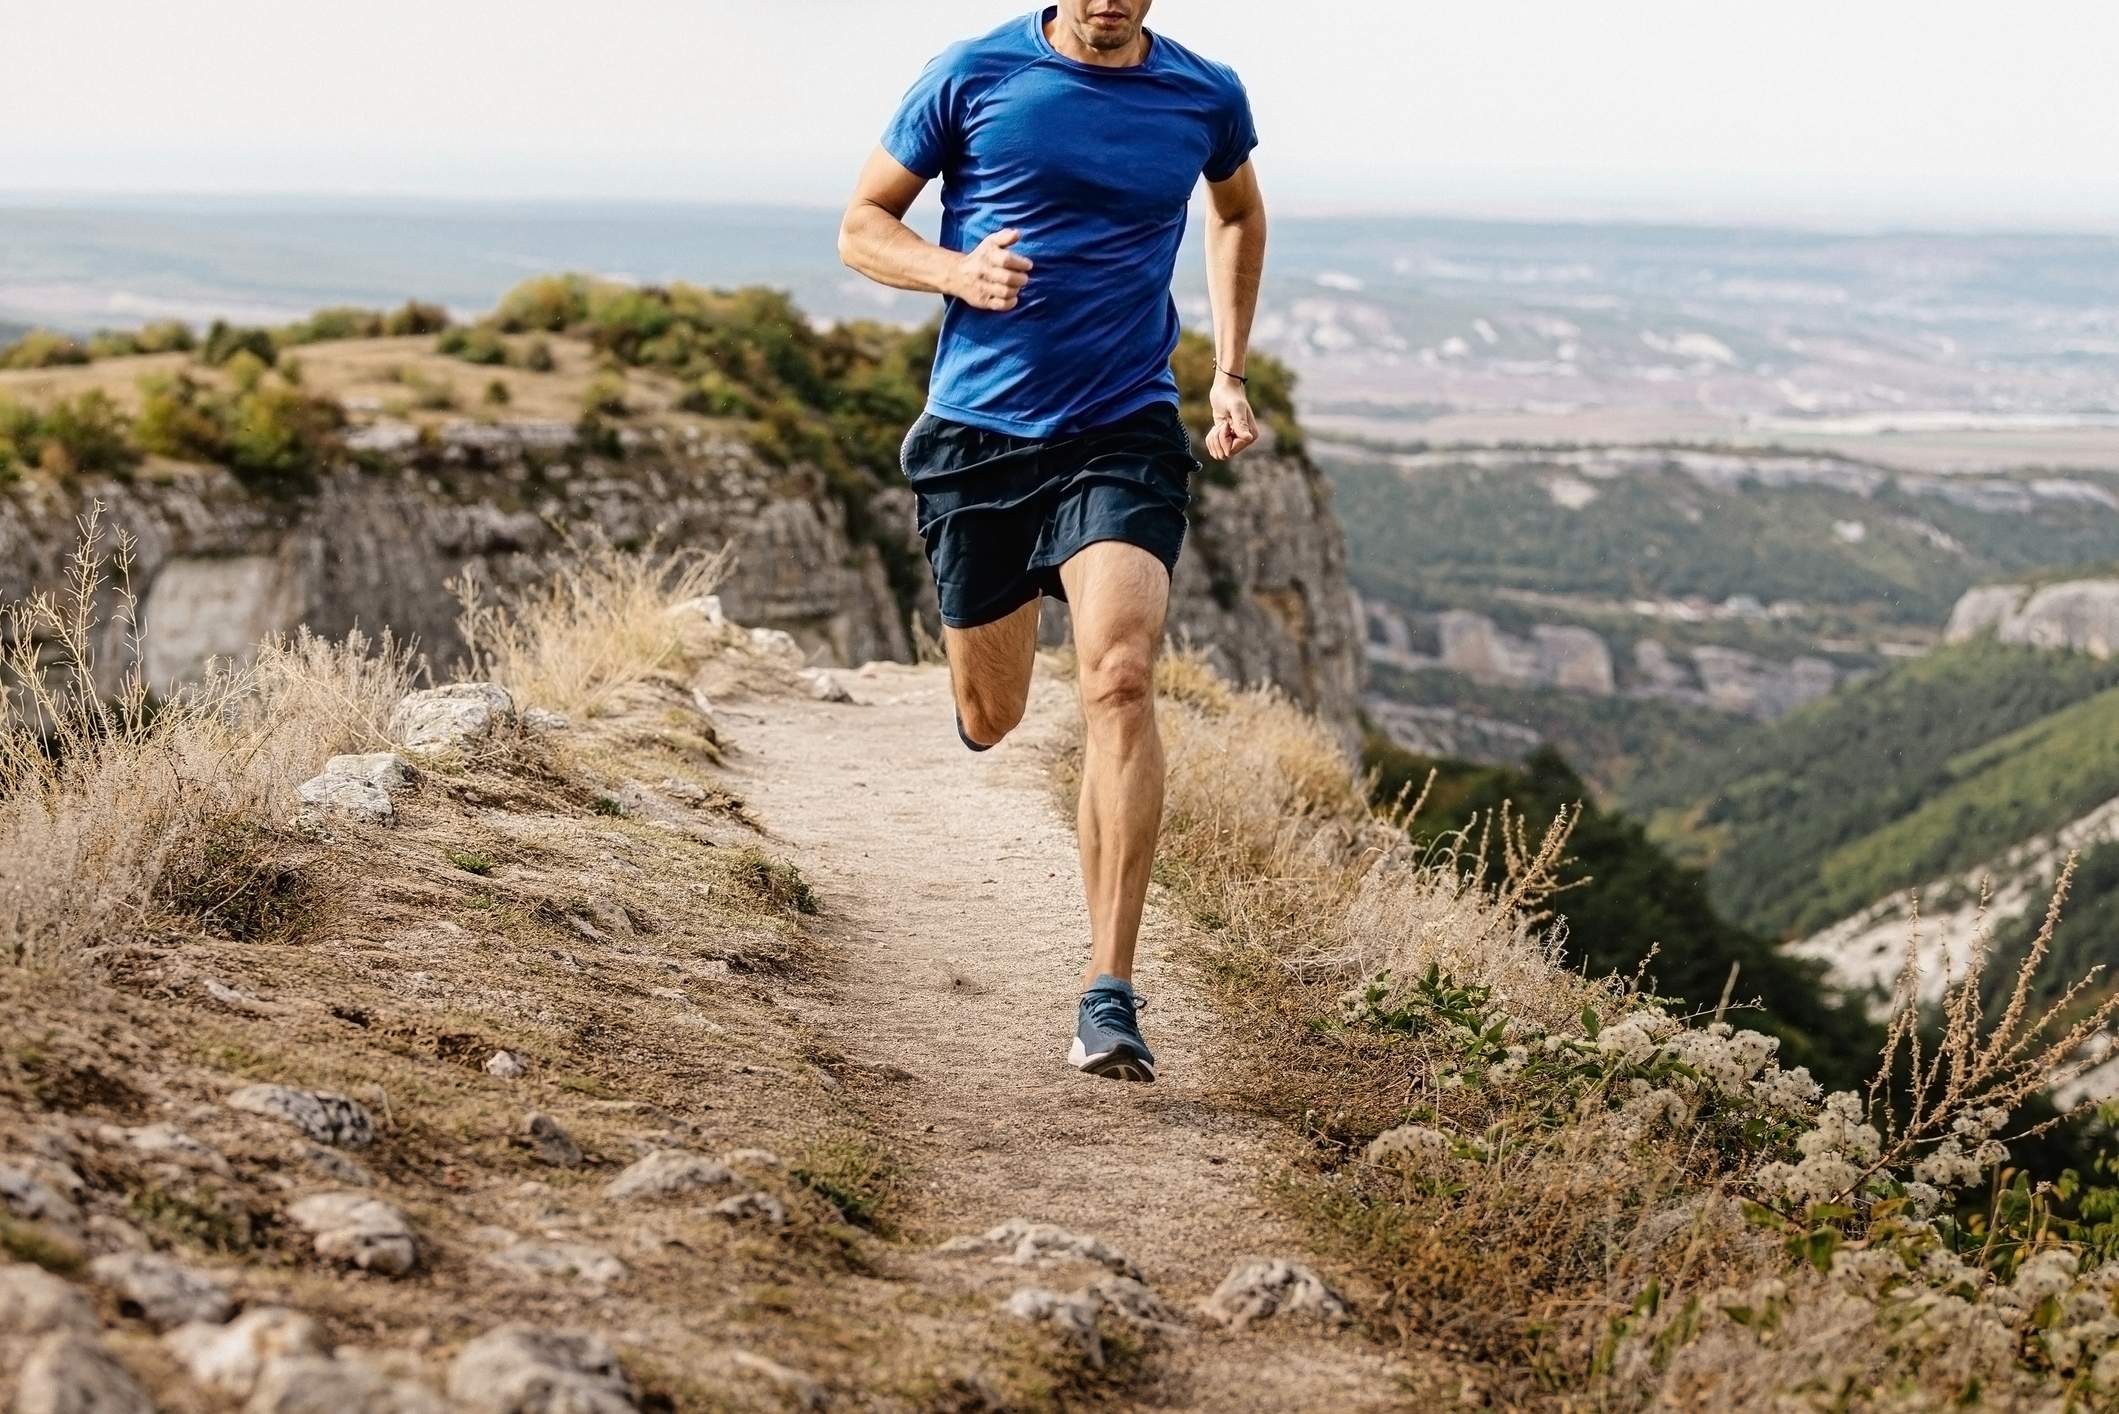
x: 1119, y: 595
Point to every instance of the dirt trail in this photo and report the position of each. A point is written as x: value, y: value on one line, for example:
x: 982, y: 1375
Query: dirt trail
x: 949, y: 882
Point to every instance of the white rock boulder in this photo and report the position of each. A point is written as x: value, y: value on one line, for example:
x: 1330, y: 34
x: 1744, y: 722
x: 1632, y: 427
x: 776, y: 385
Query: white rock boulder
x: 358, y: 1230
x: 357, y: 787
x: 442, y: 718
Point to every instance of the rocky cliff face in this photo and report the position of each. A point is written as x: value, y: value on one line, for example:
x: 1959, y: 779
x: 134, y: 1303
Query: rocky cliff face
x: 2081, y: 614
x: 218, y: 565
x: 1575, y: 659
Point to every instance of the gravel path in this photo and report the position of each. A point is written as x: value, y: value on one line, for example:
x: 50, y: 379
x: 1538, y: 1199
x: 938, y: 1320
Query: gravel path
x: 949, y: 882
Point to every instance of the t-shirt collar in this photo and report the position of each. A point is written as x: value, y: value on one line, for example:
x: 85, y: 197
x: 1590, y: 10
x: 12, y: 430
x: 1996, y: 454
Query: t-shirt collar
x: 1041, y: 15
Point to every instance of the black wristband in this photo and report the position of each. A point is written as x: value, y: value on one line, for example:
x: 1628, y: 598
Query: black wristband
x: 1237, y: 376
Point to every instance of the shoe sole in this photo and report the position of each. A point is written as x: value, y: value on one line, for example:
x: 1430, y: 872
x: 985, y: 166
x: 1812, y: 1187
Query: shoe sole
x: 1111, y: 1065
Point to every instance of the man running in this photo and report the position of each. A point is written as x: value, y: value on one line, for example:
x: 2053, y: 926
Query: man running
x: 1051, y: 458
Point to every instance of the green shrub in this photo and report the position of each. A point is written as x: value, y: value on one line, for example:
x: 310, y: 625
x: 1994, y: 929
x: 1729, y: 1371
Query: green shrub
x: 340, y: 322
x: 497, y: 394
x: 416, y: 318
x: 538, y: 357
x: 604, y: 397
x: 163, y: 336
x: 478, y: 343
x: 224, y: 341
x: 428, y: 394
x: 277, y: 433
x: 174, y: 421
x: 84, y: 435
x: 245, y: 370
x: 550, y: 303
x: 713, y: 395
x: 43, y: 348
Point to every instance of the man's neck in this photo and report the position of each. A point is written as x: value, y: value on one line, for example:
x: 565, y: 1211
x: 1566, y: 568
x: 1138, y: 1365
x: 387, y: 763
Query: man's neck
x: 1064, y: 40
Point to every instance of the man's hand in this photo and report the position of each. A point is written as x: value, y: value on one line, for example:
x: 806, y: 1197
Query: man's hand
x: 990, y: 276
x: 1234, y: 427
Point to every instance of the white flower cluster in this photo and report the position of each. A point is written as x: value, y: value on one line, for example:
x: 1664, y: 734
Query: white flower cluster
x: 1967, y: 1151
x: 1835, y: 1153
x: 1726, y: 1058
x: 1415, y: 1142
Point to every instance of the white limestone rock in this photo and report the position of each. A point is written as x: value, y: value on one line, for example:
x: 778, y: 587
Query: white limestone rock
x: 1261, y: 1288
x: 316, y: 1384
x: 566, y: 1261
x: 230, y: 1358
x: 73, y: 1374
x: 33, y: 1302
x: 504, y: 1064
x: 1023, y: 1242
x: 526, y: 1370
x: 753, y: 1207
x: 667, y: 1173
x: 359, y: 1230
x: 357, y: 787
x: 441, y: 718
x: 162, y: 1292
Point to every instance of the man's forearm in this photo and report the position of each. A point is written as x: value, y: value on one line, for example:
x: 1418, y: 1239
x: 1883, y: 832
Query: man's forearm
x: 886, y: 250
x: 1236, y: 258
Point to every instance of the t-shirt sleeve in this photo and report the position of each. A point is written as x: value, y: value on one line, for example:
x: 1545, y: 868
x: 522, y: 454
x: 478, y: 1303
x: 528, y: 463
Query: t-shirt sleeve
x: 1238, y: 135
x: 923, y: 130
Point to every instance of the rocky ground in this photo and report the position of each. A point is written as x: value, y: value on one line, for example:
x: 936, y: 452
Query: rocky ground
x: 702, y: 1055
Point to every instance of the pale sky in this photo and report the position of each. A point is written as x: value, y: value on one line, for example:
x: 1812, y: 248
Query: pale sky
x: 1835, y: 112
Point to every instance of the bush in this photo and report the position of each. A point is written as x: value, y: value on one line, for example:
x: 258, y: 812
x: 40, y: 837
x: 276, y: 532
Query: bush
x: 176, y: 421
x: 479, y: 344
x: 428, y: 394
x: 266, y: 433
x: 550, y: 304
x: 604, y: 397
x: 163, y: 336
x: 224, y: 341
x: 538, y: 357
x: 341, y: 322
x: 497, y: 394
x: 43, y: 348
x: 416, y: 318
x: 83, y: 435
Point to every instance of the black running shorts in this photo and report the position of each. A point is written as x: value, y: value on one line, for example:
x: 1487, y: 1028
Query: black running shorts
x: 1000, y: 514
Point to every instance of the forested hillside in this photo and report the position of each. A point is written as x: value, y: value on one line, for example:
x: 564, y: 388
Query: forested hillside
x: 1933, y: 767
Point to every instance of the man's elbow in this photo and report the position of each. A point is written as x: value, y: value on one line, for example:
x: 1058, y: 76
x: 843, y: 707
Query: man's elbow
x: 848, y: 240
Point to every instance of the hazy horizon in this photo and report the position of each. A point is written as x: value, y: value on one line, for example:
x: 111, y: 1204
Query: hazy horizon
x: 1893, y: 115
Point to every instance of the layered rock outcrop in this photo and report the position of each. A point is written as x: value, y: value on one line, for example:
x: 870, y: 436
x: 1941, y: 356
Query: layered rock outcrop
x: 217, y: 565
x: 2079, y: 614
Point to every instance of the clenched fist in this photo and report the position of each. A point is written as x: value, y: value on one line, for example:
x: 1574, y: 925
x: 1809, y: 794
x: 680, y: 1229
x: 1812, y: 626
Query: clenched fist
x: 989, y: 276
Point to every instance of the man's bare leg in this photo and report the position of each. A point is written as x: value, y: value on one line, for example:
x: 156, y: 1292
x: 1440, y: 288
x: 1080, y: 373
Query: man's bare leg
x: 1119, y: 594
x: 989, y: 672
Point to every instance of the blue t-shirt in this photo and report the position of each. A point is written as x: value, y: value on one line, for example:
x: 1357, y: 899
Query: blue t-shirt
x: 1095, y: 166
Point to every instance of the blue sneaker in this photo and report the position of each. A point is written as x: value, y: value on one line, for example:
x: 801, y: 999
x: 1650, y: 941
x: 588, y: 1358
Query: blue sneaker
x: 1107, y: 1035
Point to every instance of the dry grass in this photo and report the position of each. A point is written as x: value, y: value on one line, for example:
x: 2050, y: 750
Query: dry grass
x: 122, y: 817
x: 602, y: 621
x: 1590, y: 1205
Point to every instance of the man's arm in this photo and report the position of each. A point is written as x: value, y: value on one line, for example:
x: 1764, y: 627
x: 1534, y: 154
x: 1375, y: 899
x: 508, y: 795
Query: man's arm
x: 874, y: 240
x: 1236, y: 258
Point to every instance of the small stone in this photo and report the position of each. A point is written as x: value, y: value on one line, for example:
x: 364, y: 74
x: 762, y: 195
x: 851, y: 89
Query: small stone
x: 169, y: 1142
x: 339, y: 1168
x: 358, y: 1230
x: 755, y: 1158
x: 33, y: 1302
x: 33, y: 1198
x: 73, y: 1374
x: 525, y: 1370
x: 1135, y: 1302
x: 459, y: 714
x: 358, y: 787
x: 1261, y: 1288
x: 745, y: 1207
x: 549, y: 1143
x: 826, y: 687
x: 1073, y: 1316
x: 316, y: 1384
x: 1024, y: 1243
x: 505, y: 1065
x: 666, y: 1173
x: 544, y: 719
x: 776, y: 643
x: 162, y: 1292
x: 572, y: 1260
x: 230, y: 1358
x: 323, y: 1115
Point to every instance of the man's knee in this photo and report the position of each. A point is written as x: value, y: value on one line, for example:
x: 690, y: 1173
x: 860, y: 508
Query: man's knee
x: 988, y: 716
x: 1120, y: 681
